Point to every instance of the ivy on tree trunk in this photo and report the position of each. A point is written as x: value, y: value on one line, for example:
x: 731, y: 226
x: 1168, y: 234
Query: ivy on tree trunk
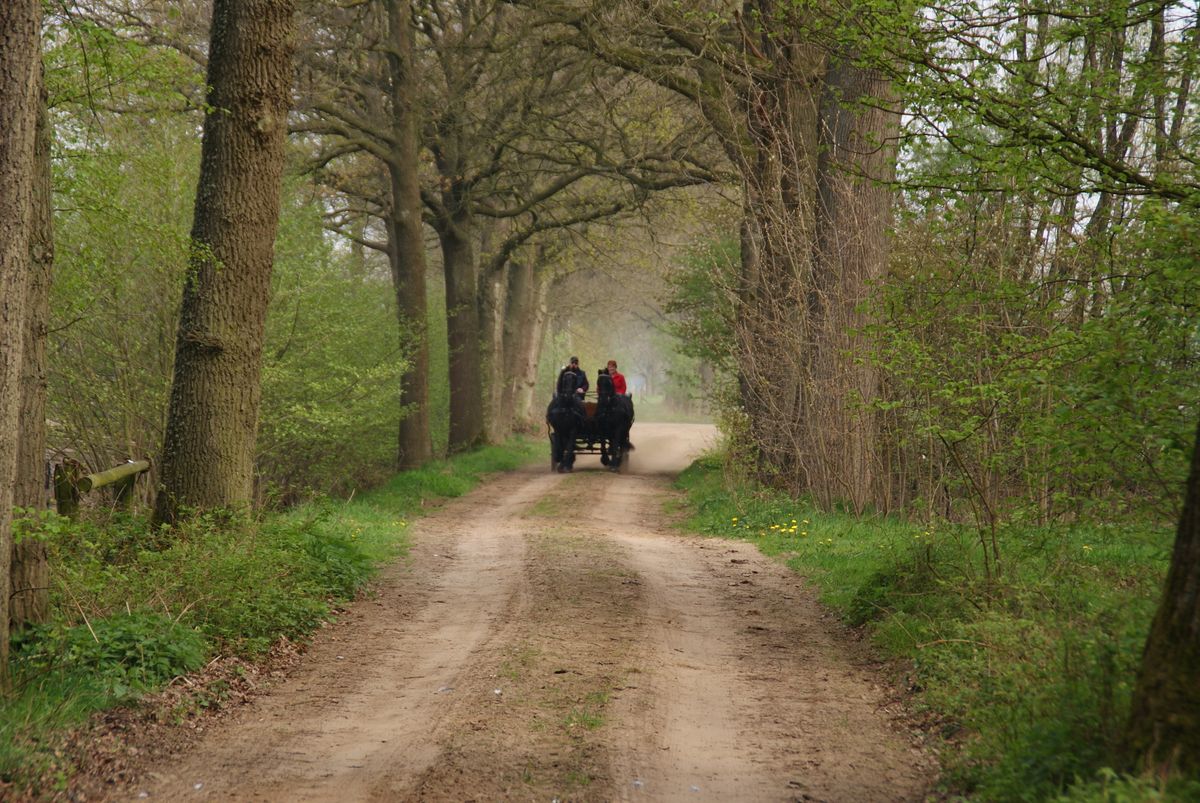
x: 406, y: 252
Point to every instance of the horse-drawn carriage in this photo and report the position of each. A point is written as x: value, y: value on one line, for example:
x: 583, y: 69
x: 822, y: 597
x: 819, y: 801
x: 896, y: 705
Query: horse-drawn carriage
x: 597, y: 425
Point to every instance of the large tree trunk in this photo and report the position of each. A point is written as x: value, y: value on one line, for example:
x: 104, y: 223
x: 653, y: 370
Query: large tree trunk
x: 527, y: 412
x: 407, y: 244
x: 498, y: 308
x: 20, y: 30
x: 511, y: 324
x: 774, y: 327
x: 462, y: 330
x: 813, y: 237
x: 30, y: 570
x: 520, y: 290
x: 1164, y: 726
x: 212, y: 419
x: 858, y: 127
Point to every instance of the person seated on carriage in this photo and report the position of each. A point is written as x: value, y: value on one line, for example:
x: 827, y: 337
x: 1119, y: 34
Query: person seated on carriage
x: 573, y: 381
x: 617, y: 377
x: 581, y: 380
x: 567, y: 392
x: 618, y: 380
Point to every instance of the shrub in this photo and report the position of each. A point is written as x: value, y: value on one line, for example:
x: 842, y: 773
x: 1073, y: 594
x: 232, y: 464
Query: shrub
x: 1028, y: 672
x: 123, y: 654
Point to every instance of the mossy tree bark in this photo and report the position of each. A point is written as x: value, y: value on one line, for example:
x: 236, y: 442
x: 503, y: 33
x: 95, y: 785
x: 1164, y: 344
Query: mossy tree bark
x: 455, y: 233
x: 457, y: 229
x: 775, y: 147
x: 515, y: 327
x: 859, y: 126
x: 30, y: 568
x: 406, y: 252
x: 497, y: 308
x: 520, y: 327
x: 212, y: 420
x: 20, y: 30
x: 821, y: 150
x: 1164, y: 724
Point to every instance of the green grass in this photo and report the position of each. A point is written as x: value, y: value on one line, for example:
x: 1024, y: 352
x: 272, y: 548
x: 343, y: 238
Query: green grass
x: 1027, y: 676
x: 518, y: 662
x: 586, y: 718
x: 133, y: 608
x: 588, y: 715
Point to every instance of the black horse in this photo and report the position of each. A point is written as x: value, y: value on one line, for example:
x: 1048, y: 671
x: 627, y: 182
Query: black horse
x: 565, y: 416
x: 613, y: 418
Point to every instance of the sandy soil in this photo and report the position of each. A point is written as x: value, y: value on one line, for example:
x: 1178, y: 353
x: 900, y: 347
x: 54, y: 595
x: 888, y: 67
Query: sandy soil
x: 554, y: 637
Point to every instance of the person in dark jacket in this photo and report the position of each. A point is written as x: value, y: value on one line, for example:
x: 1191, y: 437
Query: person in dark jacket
x: 581, y: 380
x: 567, y: 393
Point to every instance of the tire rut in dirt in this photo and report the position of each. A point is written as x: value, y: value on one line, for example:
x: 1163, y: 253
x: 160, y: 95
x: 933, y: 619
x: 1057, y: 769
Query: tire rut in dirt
x: 550, y: 636
x: 355, y: 721
x: 534, y: 726
x: 748, y: 693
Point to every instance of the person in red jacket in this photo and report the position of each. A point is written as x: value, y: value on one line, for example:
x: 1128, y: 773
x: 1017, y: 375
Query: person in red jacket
x: 618, y: 380
x: 617, y: 377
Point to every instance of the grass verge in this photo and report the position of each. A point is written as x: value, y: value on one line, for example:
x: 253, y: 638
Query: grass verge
x: 133, y: 608
x: 1026, y: 677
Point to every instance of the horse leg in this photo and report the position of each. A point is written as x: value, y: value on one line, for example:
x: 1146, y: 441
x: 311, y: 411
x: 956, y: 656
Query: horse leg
x: 608, y: 445
x: 568, y: 461
x: 628, y: 424
x: 556, y: 450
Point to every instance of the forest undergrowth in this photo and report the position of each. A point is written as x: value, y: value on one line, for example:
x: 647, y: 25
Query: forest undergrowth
x: 134, y: 610
x: 1022, y: 680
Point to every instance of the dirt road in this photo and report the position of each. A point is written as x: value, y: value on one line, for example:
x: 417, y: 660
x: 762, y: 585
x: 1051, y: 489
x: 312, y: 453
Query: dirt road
x: 552, y: 637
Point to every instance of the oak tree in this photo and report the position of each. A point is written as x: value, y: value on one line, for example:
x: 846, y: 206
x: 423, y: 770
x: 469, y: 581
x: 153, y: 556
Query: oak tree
x: 30, y: 568
x: 208, y: 451
x: 20, y: 28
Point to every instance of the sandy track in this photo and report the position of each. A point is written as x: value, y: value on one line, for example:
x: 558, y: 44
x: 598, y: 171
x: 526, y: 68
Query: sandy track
x: 355, y: 721
x: 752, y: 696
x: 552, y: 637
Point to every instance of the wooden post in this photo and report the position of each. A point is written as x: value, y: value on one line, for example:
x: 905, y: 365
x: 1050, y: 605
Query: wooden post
x: 68, y: 485
x: 123, y: 492
x: 66, y: 493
